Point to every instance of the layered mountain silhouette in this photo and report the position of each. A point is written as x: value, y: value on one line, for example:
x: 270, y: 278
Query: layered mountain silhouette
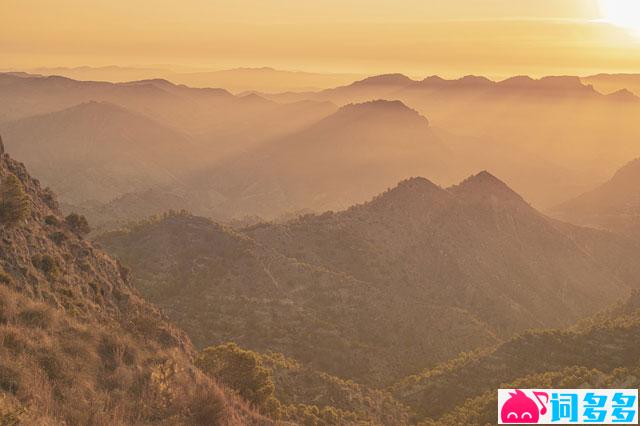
x: 517, y: 127
x: 207, y: 114
x: 348, y: 156
x: 94, y: 152
x: 371, y: 293
x: 522, y: 123
x: 397, y: 86
x: 615, y: 205
x: 78, y: 345
x: 611, y: 83
x: 256, y: 148
x: 237, y: 80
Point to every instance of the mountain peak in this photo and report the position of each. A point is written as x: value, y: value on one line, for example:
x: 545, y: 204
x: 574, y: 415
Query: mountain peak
x: 417, y: 184
x: 623, y: 95
x: 485, y: 185
x: 412, y: 191
x: 565, y: 84
x: 475, y: 80
x: 629, y: 173
x: 385, y: 80
x: 381, y: 107
x: 468, y: 81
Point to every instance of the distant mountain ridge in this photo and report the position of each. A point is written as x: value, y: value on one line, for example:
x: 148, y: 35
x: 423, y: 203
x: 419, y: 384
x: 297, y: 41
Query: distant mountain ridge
x: 614, y: 205
x: 237, y: 80
x: 398, y: 86
x: 97, y: 151
x: 516, y: 127
x: 349, y: 155
x: 610, y: 83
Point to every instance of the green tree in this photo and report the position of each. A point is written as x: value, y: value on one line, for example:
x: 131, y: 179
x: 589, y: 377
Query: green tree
x: 242, y: 371
x: 78, y: 223
x: 14, y: 202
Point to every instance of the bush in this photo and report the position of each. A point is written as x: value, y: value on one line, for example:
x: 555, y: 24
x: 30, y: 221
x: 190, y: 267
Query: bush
x: 115, y: 351
x: 6, y: 307
x: 51, y: 221
x: 242, y: 371
x: 9, y: 379
x: 35, y: 317
x: 78, y: 223
x: 12, y: 341
x: 4, y: 277
x: 54, y: 367
x: 14, y: 202
x: 47, y: 264
x: 10, y: 415
x: 206, y: 407
x: 58, y: 237
x: 49, y: 198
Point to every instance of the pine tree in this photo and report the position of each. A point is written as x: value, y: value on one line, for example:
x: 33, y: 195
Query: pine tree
x: 14, y: 202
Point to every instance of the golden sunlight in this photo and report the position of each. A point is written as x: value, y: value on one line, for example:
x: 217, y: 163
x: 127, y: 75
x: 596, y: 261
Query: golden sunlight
x: 623, y: 13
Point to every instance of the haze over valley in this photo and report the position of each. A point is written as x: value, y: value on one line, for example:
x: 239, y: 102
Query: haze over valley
x: 287, y: 213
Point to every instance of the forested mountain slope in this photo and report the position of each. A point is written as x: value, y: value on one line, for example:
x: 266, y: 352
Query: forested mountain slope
x: 78, y: 345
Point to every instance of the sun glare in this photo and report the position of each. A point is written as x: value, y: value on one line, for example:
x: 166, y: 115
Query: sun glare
x: 623, y: 13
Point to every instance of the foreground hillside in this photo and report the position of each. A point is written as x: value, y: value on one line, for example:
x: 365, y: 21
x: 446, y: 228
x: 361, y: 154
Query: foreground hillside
x: 78, y: 345
x: 602, y: 353
x: 383, y: 289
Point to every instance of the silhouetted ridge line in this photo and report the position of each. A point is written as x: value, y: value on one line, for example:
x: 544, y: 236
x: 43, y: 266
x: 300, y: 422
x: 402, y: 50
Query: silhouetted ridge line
x: 484, y: 184
x: 385, y: 80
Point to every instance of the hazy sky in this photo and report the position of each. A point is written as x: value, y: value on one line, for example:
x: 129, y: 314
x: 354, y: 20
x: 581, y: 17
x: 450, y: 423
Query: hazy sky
x: 419, y: 37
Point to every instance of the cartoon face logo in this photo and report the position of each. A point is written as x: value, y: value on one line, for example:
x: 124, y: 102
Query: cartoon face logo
x: 519, y: 408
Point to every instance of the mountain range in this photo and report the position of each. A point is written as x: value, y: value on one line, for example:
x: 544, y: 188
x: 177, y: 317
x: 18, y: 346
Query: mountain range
x: 347, y: 156
x: 237, y: 80
x: 519, y: 118
x: 235, y: 165
x: 374, y: 292
x: 94, y: 152
x: 612, y: 83
x: 347, y: 295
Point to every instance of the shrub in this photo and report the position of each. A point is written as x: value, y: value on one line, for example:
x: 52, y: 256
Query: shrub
x: 78, y: 223
x: 14, y: 202
x: 115, y: 352
x: 38, y: 317
x: 47, y: 264
x: 51, y: 221
x: 9, y: 379
x: 12, y: 341
x: 242, y: 371
x: 49, y: 198
x: 58, y: 237
x: 54, y: 367
x: 10, y: 415
x: 5, y: 278
x: 206, y: 407
x: 6, y: 307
